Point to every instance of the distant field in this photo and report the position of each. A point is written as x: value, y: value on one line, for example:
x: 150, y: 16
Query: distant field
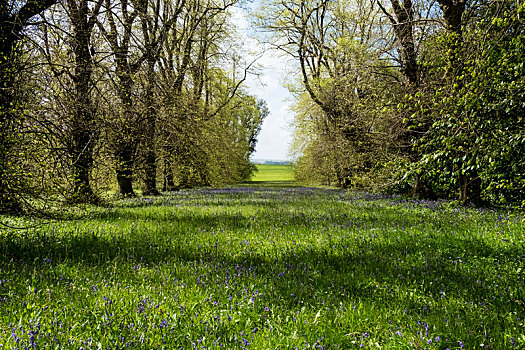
x: 268, y: 172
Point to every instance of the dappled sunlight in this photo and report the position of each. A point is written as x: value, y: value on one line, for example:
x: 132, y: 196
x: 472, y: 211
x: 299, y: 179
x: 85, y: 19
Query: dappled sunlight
x: 254, y: 265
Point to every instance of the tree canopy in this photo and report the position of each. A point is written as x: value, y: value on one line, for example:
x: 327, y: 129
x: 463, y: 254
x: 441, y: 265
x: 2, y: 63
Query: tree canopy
x: 412, y: 96
x: 102, y: 95
x: 417, y: 97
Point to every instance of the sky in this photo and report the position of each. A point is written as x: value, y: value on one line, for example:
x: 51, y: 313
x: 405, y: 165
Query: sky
x: 276, y: 135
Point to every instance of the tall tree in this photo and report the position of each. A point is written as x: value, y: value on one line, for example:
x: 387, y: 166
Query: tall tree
x: 83, y: 129
x: 452, y: 14
x: 14, y: 17
x: 342, y: 68
x: 182, y: 77
x: 473, y: 147
x: 156, y: 17
x: 67, y: 90
x: 403, y: 24
x: 121, y: 18
x: 469, y: 182
x: 175, y: 62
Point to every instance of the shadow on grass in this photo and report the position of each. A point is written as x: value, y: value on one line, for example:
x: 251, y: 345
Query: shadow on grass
x: 417, y: 272
x: 273, y: 209
x: 275, y: 184
x: 414, y: 260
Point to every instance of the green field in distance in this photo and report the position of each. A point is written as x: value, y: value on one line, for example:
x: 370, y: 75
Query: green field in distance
x: 270, y: 172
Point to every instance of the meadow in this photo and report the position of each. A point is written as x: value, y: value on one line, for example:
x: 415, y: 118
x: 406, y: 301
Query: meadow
x: 266, y: 268
x: 272, y: 174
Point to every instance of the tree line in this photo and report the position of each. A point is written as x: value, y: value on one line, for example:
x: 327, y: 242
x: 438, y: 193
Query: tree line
x: 102, y: 93
x: 415, y: 96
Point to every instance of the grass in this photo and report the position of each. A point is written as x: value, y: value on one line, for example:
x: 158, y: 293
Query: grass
x: 266, y: 268
x: 273, y: 173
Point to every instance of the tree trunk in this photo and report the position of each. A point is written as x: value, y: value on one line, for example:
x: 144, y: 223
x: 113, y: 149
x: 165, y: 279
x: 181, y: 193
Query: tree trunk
x: 125, y: 124
x: 125, y: 148
x: 150, y: 181
x: 81, y: 155
x: 403, y: 27
x: 125, y: 142
x: 124, y: 171
x: 463, y: 186
x: 452, y: 14
x: 475, y: 190
x: 169, y: 183
x: 469, y: 189
x: 83, y: 136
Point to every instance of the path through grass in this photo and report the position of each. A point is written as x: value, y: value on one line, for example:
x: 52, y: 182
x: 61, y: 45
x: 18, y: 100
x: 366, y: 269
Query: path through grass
x: 263, y: 268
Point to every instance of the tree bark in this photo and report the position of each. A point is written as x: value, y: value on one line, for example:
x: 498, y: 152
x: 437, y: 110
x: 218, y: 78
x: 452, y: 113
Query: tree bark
x: 125, y: 125
x: 403, y: 24
x: 125, y: 142
x: 81, y: 154
x: 452, y: 14
x: 405, y: 33
x: 469, y: 189
x: 150, y: 181
x: 124, y: 170
x: 84, y: 134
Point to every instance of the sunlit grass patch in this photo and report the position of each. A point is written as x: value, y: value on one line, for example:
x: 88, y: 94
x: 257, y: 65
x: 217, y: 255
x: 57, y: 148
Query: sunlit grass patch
x: 273, y: 173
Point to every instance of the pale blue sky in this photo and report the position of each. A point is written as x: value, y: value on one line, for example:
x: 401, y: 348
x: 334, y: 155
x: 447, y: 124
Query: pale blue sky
x: 275, y: 137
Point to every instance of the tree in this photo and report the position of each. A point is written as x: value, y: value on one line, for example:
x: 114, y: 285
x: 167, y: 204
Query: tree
x: 341, y: 53
x: 157, y: 19
x: 475, y: 131
x: 65, y: 109
x: 196, y: 91
x: 167, y: 68
x: 125, y: 125
x: 403, y: 23
x: 14, y: 17
x: 84, y: 132
x: 175, y: 62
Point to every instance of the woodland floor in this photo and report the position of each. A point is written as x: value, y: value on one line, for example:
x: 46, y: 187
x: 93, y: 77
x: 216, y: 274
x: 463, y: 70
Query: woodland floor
x: 260, y: 266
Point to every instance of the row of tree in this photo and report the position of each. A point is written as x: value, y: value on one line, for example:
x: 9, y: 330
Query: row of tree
x: 146, y: 90
x: 417, y: 96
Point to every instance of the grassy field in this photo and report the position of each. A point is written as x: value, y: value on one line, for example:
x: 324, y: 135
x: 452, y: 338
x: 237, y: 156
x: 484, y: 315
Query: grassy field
x: 273, y: 173
x: 263, y: 268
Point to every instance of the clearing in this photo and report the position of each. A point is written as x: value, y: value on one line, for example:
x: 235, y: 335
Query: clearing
x: 266, y: 268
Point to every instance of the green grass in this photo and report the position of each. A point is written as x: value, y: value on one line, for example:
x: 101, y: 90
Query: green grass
x: 266, y: 268
x: 273, y: 173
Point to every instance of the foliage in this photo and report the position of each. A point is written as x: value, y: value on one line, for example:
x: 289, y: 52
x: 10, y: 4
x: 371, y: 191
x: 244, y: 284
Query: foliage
x: 15, y: 16
x: 457, y: 133
x: 126, y: 88
x: 424, y: 98
x: 346, y: 125
x: 475, y: 126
